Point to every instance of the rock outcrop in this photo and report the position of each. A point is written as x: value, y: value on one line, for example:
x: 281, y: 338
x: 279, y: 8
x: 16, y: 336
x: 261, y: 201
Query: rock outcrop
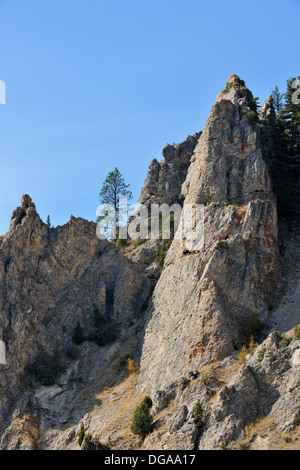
x: 205, y: 298
x: 51, y: 279
x: 162, y: 186
x: 267, y: 387
x: 182, y: 316
x: 267, y: 112
x: 165, y: 178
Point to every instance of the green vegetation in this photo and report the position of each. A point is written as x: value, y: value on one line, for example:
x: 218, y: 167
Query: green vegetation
x: 235, y: 343
x: 247, y: 349
x: 47, y: 367
x: 99, y: 318
x: 168, y: 244
x: 205, y: 379
x: 81, y: 434
x: 228, y: 87
x: 285, y: 341
x: 121, y: 243
x: 198, y: 415
x: 277, y: 100
x: 223, y: 246
x: 251, y: 115
x: 78, y: 336
x: 108, y: 334
x: 142, y: 421
x: 166, y: 200
x: 283, y: 152
x: 261, y: 355
x: 297, y: 331
x: 72, y: 353
x: 251, y: 328
x: 147, y: 400
x: 240, y: 84
x: 106, y: 330
x: 113, y: 187
x: 139, y: 242
x: 161, y: 254
x: 160, y: 257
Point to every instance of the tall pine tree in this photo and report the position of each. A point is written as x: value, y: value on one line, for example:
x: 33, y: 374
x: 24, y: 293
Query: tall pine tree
x: 113, y: 187
x: 283, y: 153
x: 289, y: 118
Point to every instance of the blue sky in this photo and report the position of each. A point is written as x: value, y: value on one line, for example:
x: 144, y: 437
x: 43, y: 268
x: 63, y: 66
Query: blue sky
x: 96, y: 84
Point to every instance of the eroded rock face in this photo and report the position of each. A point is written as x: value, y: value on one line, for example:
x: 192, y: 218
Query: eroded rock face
x: 267, y: 386
x: 164, y: 179
x: 204, y: 297
x: 162, y: 186
x: 20, y: 212
x: 49, y: 280
x: 267, y: 111
x: 93, y: 444
x: 51, y: 277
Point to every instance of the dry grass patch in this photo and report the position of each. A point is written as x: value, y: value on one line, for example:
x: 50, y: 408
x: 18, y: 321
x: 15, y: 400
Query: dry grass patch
x: 263, y: 435
x: 117, y: 407
x: 28, y: 431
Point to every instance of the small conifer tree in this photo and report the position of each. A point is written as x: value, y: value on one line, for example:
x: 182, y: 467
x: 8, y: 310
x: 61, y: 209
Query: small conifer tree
x: 198, y: 415
x: 142, y: 421
x: 81, y: 434
x: 78, y: 336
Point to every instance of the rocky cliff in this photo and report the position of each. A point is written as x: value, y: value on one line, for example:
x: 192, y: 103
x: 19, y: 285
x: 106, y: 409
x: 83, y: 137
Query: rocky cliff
x: 188, y: 321
x: 206, y: 301
x: 51, y: 279
x: 165, y: 178
x: 204, y: 298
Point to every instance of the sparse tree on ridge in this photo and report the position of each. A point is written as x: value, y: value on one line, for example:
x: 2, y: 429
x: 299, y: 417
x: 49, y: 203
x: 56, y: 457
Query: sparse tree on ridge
x: 113, y: 187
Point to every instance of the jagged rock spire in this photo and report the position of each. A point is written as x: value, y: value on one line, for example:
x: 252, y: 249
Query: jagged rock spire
x: 236, y: 91
x: 205, y: 296
x: 26, y: 201
x: 165, y: 178
x: 267, y: 111
x: 20, y: 212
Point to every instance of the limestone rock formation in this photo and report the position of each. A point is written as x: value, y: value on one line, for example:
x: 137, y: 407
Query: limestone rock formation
x: 50, y: 278
x: 164, y: 179
x: 20, y: 212
x: 162, y: 186
x: 267, y: 111
x: 183, y: 321
x: 92, y: 444
x: 204, y: 298
x: 267, y: 387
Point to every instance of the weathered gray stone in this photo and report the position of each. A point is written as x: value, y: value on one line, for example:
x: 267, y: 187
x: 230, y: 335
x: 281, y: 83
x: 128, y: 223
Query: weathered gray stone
x: 92, y: 444
x: 203, y: 297
x: 49, y: 281
x: 164, y: 179
x: 178, y: 419
x: 265, y: 388
x: 51, y: 277
x: 267, y: 112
